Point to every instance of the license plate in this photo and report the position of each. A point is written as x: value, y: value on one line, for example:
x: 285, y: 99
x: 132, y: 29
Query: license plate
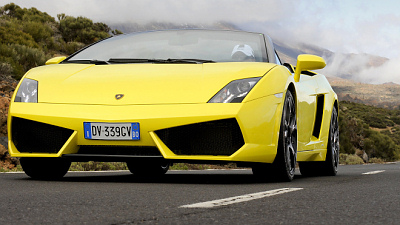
x: 112, y: 131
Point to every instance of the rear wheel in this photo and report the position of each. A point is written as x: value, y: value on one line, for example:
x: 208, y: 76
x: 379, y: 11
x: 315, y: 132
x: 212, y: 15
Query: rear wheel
x: 45, y: 168
x: 148, y: 167
x: 329, y: 167
x: 284, y: 165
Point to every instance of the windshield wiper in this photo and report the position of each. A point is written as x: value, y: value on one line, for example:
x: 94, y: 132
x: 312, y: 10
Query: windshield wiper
x: 132, y: 60
x: 127, y: 60
x: 87, y: 61
x: 189, y: 61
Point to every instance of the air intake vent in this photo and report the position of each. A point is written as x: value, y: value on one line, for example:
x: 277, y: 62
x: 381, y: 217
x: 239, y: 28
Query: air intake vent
x: 318, y: 116
x: 35, y: 137
x: 220, y: 137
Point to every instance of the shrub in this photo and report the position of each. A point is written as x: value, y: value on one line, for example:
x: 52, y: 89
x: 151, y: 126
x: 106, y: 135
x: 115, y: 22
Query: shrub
x: 72, y: 47
x: 376, y: 160
x: 81, y: 29
x: 396, y: 119
x: 12, y: 10
x: 97, y: 166
x: 351, y: 133
x: 11, y: 33
x: 380, y: 146
x: 21, y: 58
x: 179, y: 166
x: 39, y: 31
x: 5, y: 68
x: 350, y: 159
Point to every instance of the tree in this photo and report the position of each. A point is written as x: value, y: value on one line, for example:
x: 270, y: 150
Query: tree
x: 81, y: 29
x: 380, y: 146
x: 12, y: 10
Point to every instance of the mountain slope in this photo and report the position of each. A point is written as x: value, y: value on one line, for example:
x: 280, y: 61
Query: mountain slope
x: 385, y: 95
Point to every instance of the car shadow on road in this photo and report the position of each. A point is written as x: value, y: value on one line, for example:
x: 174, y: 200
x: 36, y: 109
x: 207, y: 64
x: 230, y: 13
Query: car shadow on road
x: 192, y: 177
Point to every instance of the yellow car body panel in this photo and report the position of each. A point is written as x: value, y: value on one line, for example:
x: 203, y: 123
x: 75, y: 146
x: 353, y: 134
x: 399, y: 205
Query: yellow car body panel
x: 258, y: 116
x: 172, y: 84
x: 160, y: 97
x: 164, y: 96
x: 310, y: 147
x: 60, y: 103
x: 258, y: 148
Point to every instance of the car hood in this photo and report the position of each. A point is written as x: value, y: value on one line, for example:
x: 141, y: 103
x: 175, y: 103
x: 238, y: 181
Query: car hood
x: 138, y: 83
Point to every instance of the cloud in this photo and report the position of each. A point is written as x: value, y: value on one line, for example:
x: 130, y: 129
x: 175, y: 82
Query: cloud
x: 339, y: 25
x: 388, y: 72
x: 363, y: 68
x: 176, y: 11
x: 345, y: 66
x: 359, y: 26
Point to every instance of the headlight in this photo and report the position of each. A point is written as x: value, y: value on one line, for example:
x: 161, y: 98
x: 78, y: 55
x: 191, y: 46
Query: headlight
x: 27, y: 91
x: 235, y: 91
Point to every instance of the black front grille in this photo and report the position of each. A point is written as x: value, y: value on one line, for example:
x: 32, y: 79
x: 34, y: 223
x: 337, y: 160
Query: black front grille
x: 35, y: 137
x: 119, y: 150
x: 220, y: 137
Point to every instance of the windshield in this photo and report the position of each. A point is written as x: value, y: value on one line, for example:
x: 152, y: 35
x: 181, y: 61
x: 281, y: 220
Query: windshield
x: 201, y: 45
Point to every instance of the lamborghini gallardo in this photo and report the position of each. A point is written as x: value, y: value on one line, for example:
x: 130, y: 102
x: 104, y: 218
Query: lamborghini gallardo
x: 155, y: 98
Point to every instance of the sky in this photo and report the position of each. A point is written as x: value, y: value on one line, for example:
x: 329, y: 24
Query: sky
x: 342, y: 26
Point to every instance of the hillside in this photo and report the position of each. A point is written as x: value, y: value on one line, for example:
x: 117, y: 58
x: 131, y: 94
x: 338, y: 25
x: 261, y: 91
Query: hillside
x: 385, y: 95
x: 29, y: 37
x: 343, y: 71
x: 370, y: 130
x: 129, y: 27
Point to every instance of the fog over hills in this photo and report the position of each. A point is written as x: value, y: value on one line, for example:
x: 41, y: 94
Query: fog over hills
x: 338, y: 26
x: 351, y: 75
x: 354, y: 77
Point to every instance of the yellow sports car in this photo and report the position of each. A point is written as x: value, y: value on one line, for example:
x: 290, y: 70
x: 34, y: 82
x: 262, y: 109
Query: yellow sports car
x: 155, y: 98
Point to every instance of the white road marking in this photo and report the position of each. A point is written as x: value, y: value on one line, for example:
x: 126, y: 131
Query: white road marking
x: 241, y: 198
x: 374, y: 172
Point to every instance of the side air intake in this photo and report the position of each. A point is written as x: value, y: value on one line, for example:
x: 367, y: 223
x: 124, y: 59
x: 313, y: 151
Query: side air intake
x: 35, y: 137
x: 220, y: 137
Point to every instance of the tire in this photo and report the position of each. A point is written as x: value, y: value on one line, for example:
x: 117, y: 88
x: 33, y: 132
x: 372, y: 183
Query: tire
x: 148, y: 168
x: 329, y: 167
x: 45, y: 168
x: 284, y: 165
x: 331, y: 164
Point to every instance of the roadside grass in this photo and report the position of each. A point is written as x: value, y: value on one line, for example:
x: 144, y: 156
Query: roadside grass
x: 349, y: 159
x: 101, y: 166
x: 97, y: 166
x: 376, y: 160
x: 187, y: 166
x: 353, y: 159
x: 18, y: 168
x: 344, y: 159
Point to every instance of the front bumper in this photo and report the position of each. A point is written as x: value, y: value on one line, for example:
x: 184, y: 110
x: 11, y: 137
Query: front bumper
x: 191, y: 126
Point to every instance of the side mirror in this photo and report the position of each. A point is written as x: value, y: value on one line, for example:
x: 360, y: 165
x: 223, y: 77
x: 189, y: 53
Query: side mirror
x: 55, y: 60
x: 308, y: 62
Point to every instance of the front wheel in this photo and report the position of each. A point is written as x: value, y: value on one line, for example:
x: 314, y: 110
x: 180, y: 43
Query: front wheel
x: 284, y: 165
x: 45, y: 168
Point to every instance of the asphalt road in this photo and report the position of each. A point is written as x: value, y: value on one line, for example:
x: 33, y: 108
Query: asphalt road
x: 182, y: 197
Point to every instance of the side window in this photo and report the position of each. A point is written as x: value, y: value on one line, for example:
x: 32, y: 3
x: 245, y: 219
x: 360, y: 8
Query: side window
x: 278, y: 60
